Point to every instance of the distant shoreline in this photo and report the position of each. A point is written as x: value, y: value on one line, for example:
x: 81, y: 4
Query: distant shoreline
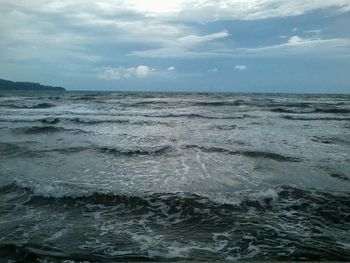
x: 7, y: 85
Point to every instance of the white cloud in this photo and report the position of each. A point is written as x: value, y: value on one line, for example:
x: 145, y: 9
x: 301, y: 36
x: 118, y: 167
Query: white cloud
x: 181, y: 47
x: 142, y: 71
x: 172, y: 68
x: 109, y: 73
x: 295, y: 40
x: 192, y: 40
x: 241, y: 67
x: 212, y: 70
x: 193, y: 10
x: 174, y: 52
x: 75, y: 30
x: 54, y: 31
x: 209, y: 10
x: 295, y: 46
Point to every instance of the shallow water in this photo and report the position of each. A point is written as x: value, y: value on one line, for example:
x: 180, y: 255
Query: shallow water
x: 103, y: 176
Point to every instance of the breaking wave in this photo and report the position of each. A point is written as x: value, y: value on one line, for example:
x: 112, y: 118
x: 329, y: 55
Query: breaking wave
x: 244, y: 225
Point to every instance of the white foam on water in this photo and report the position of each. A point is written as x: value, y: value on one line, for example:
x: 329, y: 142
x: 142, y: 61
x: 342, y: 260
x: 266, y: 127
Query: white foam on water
x: 57, y: 235
x: 59, y: 189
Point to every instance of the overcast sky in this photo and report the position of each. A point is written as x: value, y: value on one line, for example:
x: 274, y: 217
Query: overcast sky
x: 178, y: 45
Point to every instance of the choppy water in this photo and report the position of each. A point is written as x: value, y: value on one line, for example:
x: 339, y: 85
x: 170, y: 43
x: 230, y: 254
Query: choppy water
x: 165, y: 177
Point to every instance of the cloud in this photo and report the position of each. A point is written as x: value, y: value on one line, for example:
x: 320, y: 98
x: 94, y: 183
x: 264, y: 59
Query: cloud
x: 297, y: 46
x: 181, y: 47
x: 142, y: 71
x: 314, y: 31
x: 212, y: 70
x: 190, y: 10
x: 213, y: 10
x: 172, y: 68
x: 24, y: 36
x: 76, y: 29
x: 192, y: 40
x: 241, y: 67
x: 78, y: 36
x: 109, y: 73
x: 314, y: 47
x: 295, y: 40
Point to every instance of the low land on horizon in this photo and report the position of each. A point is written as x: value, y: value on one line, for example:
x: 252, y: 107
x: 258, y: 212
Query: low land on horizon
x: 12, y: 85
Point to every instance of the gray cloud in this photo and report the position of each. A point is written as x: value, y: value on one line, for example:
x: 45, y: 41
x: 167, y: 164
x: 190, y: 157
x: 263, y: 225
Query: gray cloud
x: 92, y: 38
x: 46, y: 30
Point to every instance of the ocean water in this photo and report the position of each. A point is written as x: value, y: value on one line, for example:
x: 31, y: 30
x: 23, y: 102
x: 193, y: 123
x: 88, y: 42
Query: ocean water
x: 108, y: 176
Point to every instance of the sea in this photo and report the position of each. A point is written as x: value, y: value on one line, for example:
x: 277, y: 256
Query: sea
x: 166, y: 177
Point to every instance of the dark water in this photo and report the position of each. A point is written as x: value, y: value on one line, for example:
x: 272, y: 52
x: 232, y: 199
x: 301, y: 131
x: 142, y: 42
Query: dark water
x: 105, y: 177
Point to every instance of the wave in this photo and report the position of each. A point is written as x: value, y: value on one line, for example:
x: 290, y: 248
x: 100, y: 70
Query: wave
x: 90, y: 193
x: 87, y: 121
x: 331, y: 110
x: 259, y: 199
x: 330, y: 140
x: 120, y: 121
x: 31, y: 252
x: 155, y: 150
x: 253, y: 154
x: 163, y: 149
x: 45, y: 129
x: 310, y: 111
x: 225, y: 127
x: 293, y: 104
x: 253, y: 103
x: 146, y: 103
x: 54, y: 98
x: 10, y: 149
x: 86, y: 97
x: 94, y: 121
x: 194, y: 103
x: 44, y: 105
x: 283, y: 216
x: 219, y: 103
x: 19, y: 120
x: 208, y: 115
x: 270, y: 155
x: 340, y: 176
x: 195, y: 115
x: 283, y: 110
x: 295, y: 118
x: 67, y: 150
x: 50, y: 120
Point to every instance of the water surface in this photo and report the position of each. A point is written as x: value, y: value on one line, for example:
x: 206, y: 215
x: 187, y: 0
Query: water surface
x: 107, y: 176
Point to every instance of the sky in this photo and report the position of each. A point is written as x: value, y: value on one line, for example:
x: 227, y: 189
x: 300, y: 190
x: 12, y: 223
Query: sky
x: 292, y: 46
